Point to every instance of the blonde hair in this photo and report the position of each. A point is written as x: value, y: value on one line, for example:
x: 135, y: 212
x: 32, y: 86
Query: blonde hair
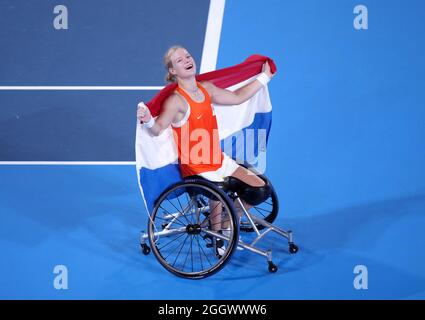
x: 169, y: 77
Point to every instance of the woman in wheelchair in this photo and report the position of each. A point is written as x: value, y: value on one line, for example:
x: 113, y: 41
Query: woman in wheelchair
x: 190, y: 114
x: 189, y: 111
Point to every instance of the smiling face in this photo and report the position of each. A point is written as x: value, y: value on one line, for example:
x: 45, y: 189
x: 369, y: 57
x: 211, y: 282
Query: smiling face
x: 183, y: 65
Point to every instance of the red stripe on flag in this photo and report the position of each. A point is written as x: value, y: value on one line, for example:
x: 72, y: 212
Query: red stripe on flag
x: 222, y: 78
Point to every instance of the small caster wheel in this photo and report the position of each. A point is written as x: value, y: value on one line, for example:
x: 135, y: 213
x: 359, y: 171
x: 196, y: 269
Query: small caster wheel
x: 293, y: 248
x: 272, y: 267
x: 146, y: 250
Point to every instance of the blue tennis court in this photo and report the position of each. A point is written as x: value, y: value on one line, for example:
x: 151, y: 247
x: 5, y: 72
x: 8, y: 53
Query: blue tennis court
x: 346, y: 151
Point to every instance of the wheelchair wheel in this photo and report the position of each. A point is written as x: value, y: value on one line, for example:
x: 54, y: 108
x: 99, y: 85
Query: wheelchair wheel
x: 266, y: 210
x: 186, y: 235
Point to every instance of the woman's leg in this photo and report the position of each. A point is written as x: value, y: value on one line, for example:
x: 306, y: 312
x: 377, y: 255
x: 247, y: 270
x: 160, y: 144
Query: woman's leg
x: 245, y: 175
x: 248, y: 177
x: 215, y: 215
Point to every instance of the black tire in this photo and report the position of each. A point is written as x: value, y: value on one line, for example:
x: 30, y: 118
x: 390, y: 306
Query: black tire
x: 185, y: 251
x: 272, y: 267
x: 293, y: 248
x: 267, y: 210
x: 145, y: 249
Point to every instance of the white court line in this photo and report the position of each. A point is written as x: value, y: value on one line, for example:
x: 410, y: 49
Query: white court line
x: 66, y: 88
x: 71, y: 163
x: 208, y: 63
x: 212, y: 36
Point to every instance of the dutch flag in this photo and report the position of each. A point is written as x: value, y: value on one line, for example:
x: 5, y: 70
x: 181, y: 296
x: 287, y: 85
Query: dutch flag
x: 243, y: 130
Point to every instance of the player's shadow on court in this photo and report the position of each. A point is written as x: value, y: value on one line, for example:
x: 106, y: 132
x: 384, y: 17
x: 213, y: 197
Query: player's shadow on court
x: 357, y: 228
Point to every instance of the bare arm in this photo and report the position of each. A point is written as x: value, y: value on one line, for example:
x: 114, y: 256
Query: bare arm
x: 227, y: 97
x: 169, y: 110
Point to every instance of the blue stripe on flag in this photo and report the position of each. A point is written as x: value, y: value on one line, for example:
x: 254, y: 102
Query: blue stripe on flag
x: 247, y: 143
x: 154, y: 182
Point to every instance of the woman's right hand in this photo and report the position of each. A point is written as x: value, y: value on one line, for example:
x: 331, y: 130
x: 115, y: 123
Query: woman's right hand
x: 143, y: 113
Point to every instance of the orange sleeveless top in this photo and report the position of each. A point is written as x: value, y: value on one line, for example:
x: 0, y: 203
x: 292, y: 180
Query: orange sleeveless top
x: 197, y: 139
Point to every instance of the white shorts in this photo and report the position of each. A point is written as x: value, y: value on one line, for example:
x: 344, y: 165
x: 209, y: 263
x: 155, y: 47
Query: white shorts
x: 227, y: 168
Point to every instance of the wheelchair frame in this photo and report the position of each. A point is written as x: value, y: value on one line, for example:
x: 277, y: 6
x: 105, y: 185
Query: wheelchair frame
x: 190, y: 209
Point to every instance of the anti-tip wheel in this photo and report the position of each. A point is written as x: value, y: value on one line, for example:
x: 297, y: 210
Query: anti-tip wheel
x: 272, y: 267
x: 145, y: 249
x: 293, y: 248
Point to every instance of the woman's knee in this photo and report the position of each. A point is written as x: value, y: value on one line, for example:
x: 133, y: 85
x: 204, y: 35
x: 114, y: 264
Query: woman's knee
x: 248, y: 177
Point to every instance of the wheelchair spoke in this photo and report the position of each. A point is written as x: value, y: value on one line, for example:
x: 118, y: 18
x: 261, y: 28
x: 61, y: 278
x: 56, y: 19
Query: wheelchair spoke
x: 171, y: 241
x: 187, y: 198
x: 177, y: 221
x: 267, y: 211
x: 180, y: 250
x: 191, y: 204
x: 258, y: 210
x: 269, y: 203
x: 176, y: 247
x: 181, y: 207
x: 204, y: 251
x: 219, y: 203
x: 187, y: 255
x: 200, y: 255
x: 191, y: 251
x: 189, y: 217
x: 211, y: 215
x: 182, y: 212
x: 206, y: 243
x: 262, y: 209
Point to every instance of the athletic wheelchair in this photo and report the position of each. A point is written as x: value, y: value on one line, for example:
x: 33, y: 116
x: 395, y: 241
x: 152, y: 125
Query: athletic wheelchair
x: 190, y: 242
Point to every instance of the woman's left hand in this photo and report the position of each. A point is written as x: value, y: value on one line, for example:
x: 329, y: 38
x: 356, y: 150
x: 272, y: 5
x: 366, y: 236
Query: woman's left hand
x: 267, y: 71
